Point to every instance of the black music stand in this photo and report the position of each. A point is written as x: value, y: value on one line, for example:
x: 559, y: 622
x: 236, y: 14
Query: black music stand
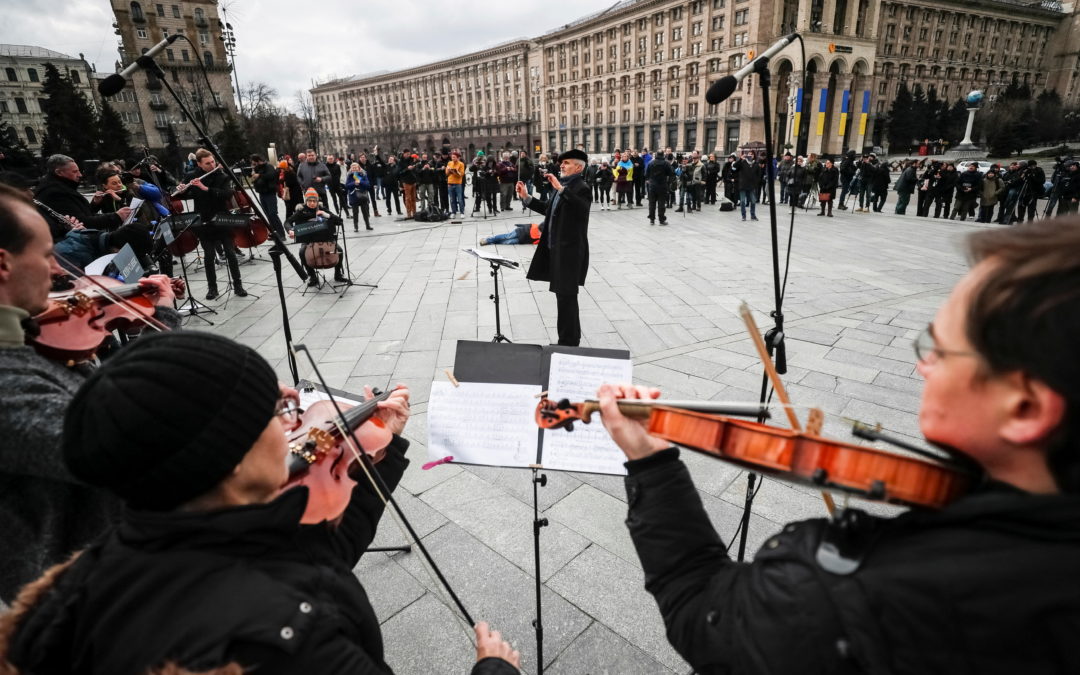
x: 497, y: 262
x: 191, y: 306
x: 348, y: 268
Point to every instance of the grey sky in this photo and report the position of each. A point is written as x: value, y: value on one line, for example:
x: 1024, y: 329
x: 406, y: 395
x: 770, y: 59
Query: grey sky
x: 287, y: 44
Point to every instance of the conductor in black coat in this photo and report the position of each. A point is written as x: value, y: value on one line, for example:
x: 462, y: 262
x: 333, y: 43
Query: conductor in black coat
x: 562, y: 256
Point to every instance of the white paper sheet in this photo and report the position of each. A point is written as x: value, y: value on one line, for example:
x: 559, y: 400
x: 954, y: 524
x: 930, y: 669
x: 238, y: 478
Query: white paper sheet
x: 588, y: 447
x: 135, y: 204
x: 483, y: 423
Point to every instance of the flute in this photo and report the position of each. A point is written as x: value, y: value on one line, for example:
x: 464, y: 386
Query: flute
x: 178, y: 191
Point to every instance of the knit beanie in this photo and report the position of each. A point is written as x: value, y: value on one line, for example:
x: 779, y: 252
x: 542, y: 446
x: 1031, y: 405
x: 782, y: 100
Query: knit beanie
x: 311, y: 193
x: 169, y: 417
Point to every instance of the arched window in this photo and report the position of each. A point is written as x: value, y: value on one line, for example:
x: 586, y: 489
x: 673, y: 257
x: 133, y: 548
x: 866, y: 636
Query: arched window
x: 31, y: 137
x: 32, y: 72
x: 208, y: 59
x: 13, y: 136
x: 136, y: 12
x: 11, y: 75
x: 75, y: 77
x: 199, y: 15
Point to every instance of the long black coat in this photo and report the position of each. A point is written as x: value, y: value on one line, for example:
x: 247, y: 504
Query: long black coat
x: 987, y: 585
x: 248, y: 585
x: 828, y: 179
x: 562, y: 256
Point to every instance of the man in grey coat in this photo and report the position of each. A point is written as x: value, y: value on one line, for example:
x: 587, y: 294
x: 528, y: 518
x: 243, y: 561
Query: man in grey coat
x: 313, y: 173
x: 45, y: 514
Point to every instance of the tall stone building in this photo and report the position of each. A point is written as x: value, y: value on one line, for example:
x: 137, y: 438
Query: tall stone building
x: 152, y: 115
x: 21, y: 87
x: 635, y: 75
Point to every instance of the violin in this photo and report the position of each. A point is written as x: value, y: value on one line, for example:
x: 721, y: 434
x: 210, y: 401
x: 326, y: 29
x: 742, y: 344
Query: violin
x: 788, y: 454
x: 320, y: 458
x: 78, y: 320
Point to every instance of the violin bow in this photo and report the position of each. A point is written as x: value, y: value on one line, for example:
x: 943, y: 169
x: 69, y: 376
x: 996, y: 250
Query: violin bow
x: 380, y: 486
x: 113, y: 297
x: 778, y: 386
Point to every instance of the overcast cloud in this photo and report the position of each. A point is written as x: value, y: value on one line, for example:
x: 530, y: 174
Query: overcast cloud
x: 289, y: 44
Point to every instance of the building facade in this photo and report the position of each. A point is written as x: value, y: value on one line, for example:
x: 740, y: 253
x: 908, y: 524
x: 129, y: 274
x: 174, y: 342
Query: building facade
x: 479, y: 101
x: 151, y: 114
x: 21, y: 88
x: 636, y: 74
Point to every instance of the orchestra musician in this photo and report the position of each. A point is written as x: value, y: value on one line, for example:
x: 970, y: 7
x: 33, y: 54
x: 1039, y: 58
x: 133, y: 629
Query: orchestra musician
x: 211, y: 194
x: 45, y: 513
x: 986, y: 585
x: 211, y: 570
x: 309, y: 211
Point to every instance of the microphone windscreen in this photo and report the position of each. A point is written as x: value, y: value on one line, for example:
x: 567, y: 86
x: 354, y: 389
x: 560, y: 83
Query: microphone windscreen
x: 721, y: 89
x: 111, y: 85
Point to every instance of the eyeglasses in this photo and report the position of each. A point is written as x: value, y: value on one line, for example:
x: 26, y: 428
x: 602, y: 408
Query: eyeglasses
x: 927, y: 350
x: 288, y: 411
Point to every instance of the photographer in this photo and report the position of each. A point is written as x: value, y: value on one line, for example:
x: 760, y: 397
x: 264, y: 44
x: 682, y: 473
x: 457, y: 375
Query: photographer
x: 992, y: 190
x: 1034, y: 179
x: 485, y: 183
x: 968, y: 187
x: 507, y: 172
x: 1069, y: 188
x: 1013, y: 184
x: 925, y: 189
x: 426, y: 182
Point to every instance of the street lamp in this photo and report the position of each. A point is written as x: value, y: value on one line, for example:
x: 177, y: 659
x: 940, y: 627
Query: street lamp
x: 228, y: 36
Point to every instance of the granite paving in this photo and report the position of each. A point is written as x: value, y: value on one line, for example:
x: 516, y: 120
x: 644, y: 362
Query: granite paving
x: 859, y: 288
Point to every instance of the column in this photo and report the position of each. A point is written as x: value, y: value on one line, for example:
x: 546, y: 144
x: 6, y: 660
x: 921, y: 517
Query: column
x: 852, y: 17
x: 818, y: 107
x: 860, y: 111
x: 828, y: 10
x: 873, y: 13
x: 839, y: 114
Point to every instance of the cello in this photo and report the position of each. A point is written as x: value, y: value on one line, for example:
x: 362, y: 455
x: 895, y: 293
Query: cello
x: 255, y: 231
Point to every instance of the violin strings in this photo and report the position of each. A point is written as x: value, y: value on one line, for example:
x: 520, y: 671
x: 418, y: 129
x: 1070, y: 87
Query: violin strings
x: 113, y: 297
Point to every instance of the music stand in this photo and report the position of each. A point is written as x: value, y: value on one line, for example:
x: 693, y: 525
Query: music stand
x: 191, y: 306
x: 496, y: 262
x: 348, y: 268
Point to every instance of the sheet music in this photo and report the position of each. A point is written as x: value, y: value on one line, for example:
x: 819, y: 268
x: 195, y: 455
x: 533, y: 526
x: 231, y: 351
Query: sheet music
x: 492, y: 257
x: 134, y: 205
x: 483, y: 423
x: 588, y: 447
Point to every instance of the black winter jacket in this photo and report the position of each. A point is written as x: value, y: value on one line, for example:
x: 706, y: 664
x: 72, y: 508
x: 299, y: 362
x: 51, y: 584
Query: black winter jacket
x: 987, y: 585
x: 61, y: 194
x: 248, y: 585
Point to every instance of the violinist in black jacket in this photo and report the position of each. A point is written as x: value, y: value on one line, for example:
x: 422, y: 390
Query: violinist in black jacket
x: 985, y: 585
x: 216, y: 567
x: 211, y: 194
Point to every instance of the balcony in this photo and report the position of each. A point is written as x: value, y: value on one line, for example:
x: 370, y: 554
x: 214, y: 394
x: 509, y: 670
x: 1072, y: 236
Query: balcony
x: 159, y: 105
x: 201, y: 22
x: 153, y: 84
x: 161, y: 125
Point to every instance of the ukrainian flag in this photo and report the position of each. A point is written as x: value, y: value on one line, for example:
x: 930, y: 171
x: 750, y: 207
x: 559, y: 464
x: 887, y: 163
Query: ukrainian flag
x: 796, y: 129
x: 823, y: 105
x: 865, y: 112
x: 844, y: 112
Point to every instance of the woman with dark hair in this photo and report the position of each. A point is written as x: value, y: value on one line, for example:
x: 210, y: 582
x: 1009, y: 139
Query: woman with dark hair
x: 828, y: 180
x: 291, y: 193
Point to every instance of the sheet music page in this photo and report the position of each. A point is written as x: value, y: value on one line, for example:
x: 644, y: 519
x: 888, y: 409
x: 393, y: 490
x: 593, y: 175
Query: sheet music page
x: 483, y: 423
x: 134, y: 205
x: 492, y: 256
x: 588, y: 447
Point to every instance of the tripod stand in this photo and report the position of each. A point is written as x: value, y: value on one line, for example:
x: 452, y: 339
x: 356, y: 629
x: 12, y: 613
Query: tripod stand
x: 495, y: 266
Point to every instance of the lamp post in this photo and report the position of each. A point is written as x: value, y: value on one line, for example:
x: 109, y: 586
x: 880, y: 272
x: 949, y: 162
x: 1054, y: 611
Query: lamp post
x: 228, y: 37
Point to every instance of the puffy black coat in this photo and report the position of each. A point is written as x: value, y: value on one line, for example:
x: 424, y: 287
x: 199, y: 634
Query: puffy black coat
x: 562, y: 256
x: 987, y: 585
x: 248, y: 585
x: 747, y: 175
x: 658, y: 173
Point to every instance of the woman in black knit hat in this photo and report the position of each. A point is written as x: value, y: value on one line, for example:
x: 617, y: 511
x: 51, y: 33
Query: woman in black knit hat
x: 210, y: 569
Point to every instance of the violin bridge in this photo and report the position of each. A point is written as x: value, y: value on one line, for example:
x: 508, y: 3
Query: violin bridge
x: 814, y: 422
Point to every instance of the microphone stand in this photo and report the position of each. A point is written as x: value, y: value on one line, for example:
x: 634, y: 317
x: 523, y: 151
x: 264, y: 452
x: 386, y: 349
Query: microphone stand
x: 774, y: 337
x: 279, y: 244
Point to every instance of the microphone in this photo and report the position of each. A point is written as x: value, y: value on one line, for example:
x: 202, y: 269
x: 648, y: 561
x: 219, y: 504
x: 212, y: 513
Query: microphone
x: 114, y: 83
x: 725, y: 86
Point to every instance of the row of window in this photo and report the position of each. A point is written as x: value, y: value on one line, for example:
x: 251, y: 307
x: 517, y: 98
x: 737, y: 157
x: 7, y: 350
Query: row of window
x: 658, y: 115
x: 13, y: 136
x: 32, y: 75
x: 137, y: 13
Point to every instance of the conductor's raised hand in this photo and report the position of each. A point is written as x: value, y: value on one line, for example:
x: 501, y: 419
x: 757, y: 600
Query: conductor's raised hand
x: 554, y: 180
x: 489, y: 643
x: 521, y: 191
x: 629, y: 434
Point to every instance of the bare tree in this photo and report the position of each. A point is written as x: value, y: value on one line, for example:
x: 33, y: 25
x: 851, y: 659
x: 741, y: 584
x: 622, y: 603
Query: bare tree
x: 309, y: 115
x: 395, y: 130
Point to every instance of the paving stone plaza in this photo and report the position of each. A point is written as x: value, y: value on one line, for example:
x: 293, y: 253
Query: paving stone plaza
x: 860, y: 287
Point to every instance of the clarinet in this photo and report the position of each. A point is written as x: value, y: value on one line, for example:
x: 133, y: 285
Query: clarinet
x: 56, y: 215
